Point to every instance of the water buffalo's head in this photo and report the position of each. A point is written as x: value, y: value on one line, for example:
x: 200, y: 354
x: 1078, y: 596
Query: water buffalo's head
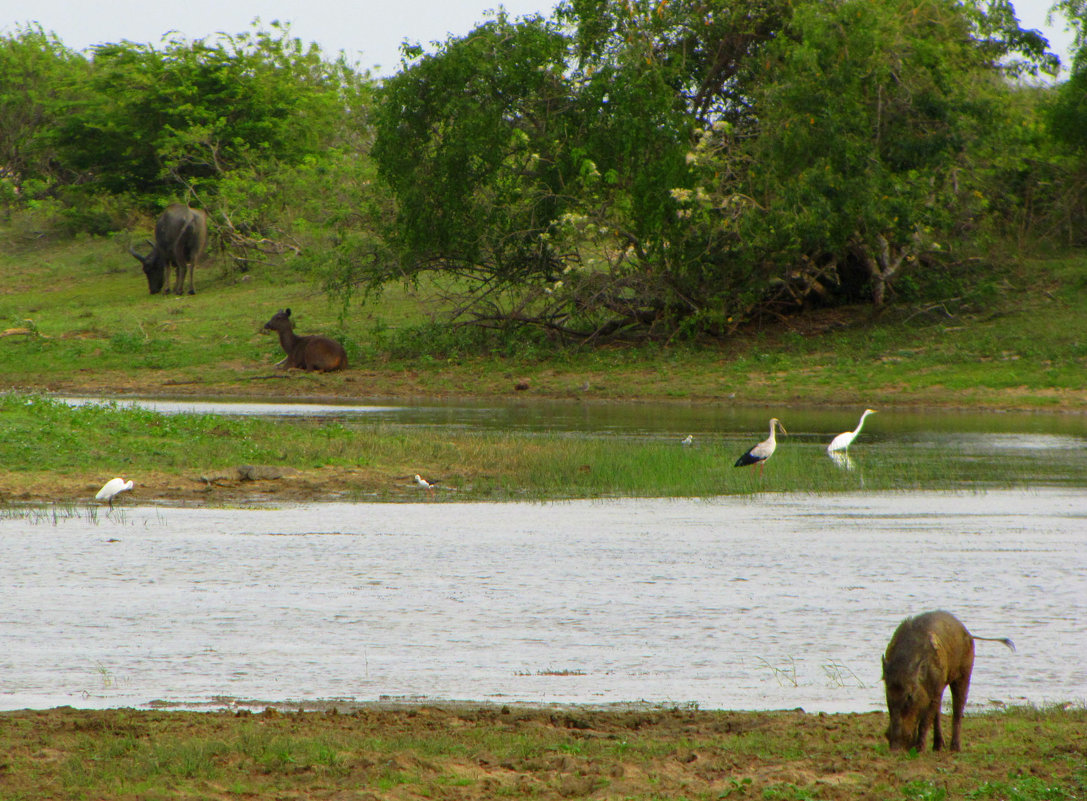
x: 154, y: 268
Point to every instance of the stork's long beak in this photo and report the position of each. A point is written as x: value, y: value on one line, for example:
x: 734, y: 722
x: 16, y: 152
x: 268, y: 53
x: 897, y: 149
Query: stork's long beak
x: 783, y: 431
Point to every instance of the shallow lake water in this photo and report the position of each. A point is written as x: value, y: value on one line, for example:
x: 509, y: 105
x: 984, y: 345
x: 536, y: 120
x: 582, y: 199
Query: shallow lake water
x: 633, y: 419
x: 760, y: 602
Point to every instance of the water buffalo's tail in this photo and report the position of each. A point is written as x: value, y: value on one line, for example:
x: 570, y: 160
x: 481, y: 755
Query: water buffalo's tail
x: 1004, y: 640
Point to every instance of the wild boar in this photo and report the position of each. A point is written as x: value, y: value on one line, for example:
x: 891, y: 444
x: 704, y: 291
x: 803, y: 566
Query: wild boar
x: 309, y: 352
x: 926, y: 654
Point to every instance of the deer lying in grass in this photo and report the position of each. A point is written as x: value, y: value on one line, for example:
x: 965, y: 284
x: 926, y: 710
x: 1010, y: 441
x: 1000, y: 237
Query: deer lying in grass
x: 306, y: 353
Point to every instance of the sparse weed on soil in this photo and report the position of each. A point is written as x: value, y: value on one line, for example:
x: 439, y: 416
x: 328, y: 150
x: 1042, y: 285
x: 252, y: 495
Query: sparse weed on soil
x: 470, y: 752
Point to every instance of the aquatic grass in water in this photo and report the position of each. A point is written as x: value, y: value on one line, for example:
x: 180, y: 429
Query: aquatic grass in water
x: 50, y: 514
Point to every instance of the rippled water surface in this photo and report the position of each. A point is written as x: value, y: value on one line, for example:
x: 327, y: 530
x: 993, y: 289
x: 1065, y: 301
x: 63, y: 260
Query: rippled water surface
x: 750, y: 603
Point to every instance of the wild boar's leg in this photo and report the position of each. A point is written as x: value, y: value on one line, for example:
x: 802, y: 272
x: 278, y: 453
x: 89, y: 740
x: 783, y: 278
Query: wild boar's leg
x: 937, y: 729
x: 959, y: 689
x: 930, y: 717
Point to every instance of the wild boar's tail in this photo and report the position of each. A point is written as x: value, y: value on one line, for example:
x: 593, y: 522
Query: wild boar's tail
x: 1004, y: 640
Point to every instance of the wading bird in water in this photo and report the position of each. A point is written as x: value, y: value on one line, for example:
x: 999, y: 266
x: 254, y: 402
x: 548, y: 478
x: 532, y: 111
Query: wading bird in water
x: 764, y: 450
x: 845, y: 439
x: 113, y: 488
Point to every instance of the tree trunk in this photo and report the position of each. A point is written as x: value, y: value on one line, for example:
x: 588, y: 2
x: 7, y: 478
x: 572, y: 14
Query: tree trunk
x: 883, y: 266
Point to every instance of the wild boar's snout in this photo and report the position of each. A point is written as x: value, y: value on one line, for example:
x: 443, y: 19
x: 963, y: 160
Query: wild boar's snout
x: 906, y: 703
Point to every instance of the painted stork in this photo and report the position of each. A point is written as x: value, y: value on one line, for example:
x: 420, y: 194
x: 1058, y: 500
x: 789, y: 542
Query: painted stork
x: 764, y: 450
x: 845, y: 439
x: 111, y: 489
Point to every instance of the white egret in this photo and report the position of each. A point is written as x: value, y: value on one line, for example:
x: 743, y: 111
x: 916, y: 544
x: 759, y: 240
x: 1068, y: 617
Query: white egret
x: 845, y: 439
x: 111, y: 489
x: 842, y: 459
x: 764, y: 450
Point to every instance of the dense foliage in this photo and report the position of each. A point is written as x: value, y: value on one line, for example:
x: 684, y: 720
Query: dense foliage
x: 684, y: 166
x: 226, y: 123
x: 38, y: 75
x: 627, y: 168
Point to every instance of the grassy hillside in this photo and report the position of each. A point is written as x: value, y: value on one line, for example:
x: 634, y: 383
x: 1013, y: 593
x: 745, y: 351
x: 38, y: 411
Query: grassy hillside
x: 75, y: 315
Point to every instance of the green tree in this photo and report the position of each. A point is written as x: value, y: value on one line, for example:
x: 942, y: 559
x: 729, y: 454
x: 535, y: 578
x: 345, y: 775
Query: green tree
x: 152, y: 120
x: 1066, y: 119
x: 36, y: 73
x: 466, y: 138
x: 651, y: 167
x: 858, y: 154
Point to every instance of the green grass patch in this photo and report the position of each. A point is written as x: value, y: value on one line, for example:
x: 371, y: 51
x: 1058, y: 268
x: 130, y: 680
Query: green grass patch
x: 488, y: 752
x: 50, y: 442
x: 76, y: 316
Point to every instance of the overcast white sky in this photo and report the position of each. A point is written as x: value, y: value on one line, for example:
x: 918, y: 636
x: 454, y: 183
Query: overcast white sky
x: 368, y: 31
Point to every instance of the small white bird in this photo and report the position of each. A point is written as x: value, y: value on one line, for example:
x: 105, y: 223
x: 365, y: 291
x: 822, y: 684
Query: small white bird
x: 688, y: 440
x: 113, y: 488
x: 764, y: 450
x: 422, y: 482
x: 845, y: 439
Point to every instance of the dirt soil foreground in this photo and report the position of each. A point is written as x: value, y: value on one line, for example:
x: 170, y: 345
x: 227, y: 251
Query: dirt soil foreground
x: 484, y: 752
x: 256, y: 485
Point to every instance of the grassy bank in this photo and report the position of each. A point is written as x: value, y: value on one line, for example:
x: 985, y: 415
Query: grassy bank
x: 52, y: 452
x: 75, y: 316
x: 500, y: 752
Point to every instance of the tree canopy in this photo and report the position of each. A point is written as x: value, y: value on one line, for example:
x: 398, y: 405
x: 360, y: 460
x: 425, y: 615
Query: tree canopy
x: 667, y: 166
x: 624, y: 168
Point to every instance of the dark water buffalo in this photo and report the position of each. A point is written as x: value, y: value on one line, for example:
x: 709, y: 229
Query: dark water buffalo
x: 926, y: 654
x: 181, y: 234
x: 309, y: 352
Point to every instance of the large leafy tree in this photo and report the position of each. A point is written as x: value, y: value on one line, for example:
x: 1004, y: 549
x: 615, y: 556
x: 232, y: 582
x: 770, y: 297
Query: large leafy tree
x: 650, y: 74
x: 151, y: 119
x: 668, y: 166
x: 539, y: 163
x: 1067, y: 122
x: 467, y: 138
x: 37, y: 73
x: 861, y: 147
